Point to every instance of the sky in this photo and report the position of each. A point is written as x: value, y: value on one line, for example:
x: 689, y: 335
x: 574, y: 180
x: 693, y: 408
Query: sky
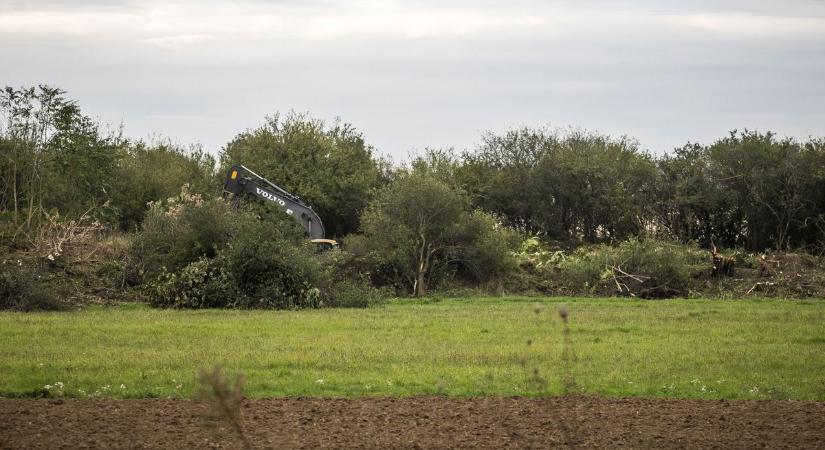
x: 425, y: 73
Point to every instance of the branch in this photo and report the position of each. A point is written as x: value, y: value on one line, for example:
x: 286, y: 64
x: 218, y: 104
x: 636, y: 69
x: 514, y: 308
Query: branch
x: 639, y: 278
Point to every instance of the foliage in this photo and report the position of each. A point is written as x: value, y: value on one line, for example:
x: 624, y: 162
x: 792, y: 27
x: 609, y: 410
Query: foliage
x: 146, y: 174
x: 488, y: 254
x: 201, y: 284
x: 579, y: 185
x: 22, y: 291
x: 420, y: 230
x: 270, y: 269
x: 57, y: 162
x: 354, y: 293
x: 637, y: 267
x: 213, y: 257
x: 749, y: 190
x: 442, y: 220
x: 534, y: 255
x: 181, y: 230
x: 328, y: 165
x: 53, y: 157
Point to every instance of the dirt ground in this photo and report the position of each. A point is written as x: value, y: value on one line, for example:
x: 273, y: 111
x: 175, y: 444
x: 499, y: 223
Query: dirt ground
x: 419, y: 422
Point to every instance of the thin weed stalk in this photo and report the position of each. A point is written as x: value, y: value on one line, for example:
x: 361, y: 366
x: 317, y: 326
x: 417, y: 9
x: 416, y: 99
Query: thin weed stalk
x: 226, y: 398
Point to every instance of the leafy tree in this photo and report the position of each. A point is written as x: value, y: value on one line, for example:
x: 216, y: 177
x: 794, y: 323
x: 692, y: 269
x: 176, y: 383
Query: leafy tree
x: 691, y: 206
x: 419, y: 228
x: 499, y: 176
x: 153, y: 173
x: 767, y: 176
x: 56, y: 157
x: 574, y: 186
x: 748, y: 190
x: 329, y: 166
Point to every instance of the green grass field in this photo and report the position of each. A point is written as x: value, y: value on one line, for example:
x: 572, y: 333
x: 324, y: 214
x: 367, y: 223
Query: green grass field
x: 479, y: 346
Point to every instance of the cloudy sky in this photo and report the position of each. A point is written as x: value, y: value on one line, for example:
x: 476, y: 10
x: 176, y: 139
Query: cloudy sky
x: 427, y: 73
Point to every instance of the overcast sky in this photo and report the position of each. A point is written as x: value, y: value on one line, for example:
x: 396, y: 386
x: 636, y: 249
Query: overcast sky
x: 416, y: 74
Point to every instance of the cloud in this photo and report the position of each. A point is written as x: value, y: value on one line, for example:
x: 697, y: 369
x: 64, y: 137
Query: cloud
x: 153, y: 24
x: 179, y: 42
x: 179, y: 25
x: 758, y: 27
x: 429, y: 73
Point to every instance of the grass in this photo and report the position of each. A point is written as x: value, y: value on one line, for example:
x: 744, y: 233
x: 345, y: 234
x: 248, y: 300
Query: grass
x: 746, y: 349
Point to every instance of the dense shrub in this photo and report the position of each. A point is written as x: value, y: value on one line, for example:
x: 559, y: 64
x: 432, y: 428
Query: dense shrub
x: 490, y: 256
x: 243, y: 262
x: 348, y: 280
x: 348, y: 293
x: 180, y: 231
x: 201, y: 284
x: 638, y: 267
x: 147, y: 174
x: 270, y: 268
x: 421, y: 231
x: 258, y: 266
x: 21, y: 291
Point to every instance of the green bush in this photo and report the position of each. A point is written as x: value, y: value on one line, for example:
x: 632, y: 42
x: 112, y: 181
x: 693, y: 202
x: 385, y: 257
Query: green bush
x: 348, y: 281
x: 647, y: 268
x: 251, y: 273
x: 201, y: 284
x: 180, y: 231
x: 151, y: 173
x: 271, y: 268
x: 533, y: 255
x: 21, y: 291
x: 489, y: 256
x: 252, y: 263
x: 197, y: 253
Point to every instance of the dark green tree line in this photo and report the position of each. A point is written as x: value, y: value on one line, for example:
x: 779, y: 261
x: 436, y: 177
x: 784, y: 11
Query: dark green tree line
x: 750, y: 190
x: 572, y: 187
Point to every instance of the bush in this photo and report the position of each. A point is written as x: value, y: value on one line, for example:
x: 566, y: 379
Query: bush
x: 489, y: 256
x: 271, y: 268
x: 151, y: 173
x: 535, y: 256
x: 201, y: 284
x: 251, y: 264
x: 180, y: 231
x: 21, y: 291
x: 646, y: 268
x: 349, y: 282
x: 204, y: 254
x: 420, y: 232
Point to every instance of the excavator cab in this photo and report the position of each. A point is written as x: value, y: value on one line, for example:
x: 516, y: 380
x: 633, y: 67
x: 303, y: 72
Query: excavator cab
x: 324, y: 245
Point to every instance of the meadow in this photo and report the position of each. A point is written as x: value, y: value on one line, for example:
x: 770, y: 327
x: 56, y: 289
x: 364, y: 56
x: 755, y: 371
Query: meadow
x: 697, y: 348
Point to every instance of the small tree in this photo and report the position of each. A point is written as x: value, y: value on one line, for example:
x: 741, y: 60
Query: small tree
x: 419, y: 225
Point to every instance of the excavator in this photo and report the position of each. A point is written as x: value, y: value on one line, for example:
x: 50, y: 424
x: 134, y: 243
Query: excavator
x: 241, y: 181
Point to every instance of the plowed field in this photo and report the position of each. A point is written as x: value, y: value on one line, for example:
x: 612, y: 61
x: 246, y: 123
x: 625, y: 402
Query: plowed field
x: 417, y: 422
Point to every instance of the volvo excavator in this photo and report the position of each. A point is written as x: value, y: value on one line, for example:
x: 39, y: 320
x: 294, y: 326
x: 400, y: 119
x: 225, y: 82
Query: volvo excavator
x: 241, y: 181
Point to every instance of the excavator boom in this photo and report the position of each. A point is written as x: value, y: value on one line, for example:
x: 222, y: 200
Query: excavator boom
x: 241, y: 181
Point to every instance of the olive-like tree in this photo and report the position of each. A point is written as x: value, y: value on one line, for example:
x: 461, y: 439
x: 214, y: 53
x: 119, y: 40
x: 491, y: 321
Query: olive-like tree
x: 422, y: 228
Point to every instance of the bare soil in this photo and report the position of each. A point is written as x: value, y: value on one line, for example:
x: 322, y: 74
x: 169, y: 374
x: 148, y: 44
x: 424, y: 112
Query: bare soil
x: 418, y: 422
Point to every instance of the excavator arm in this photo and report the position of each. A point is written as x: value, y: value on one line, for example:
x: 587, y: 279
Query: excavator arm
x: 242, y: 181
